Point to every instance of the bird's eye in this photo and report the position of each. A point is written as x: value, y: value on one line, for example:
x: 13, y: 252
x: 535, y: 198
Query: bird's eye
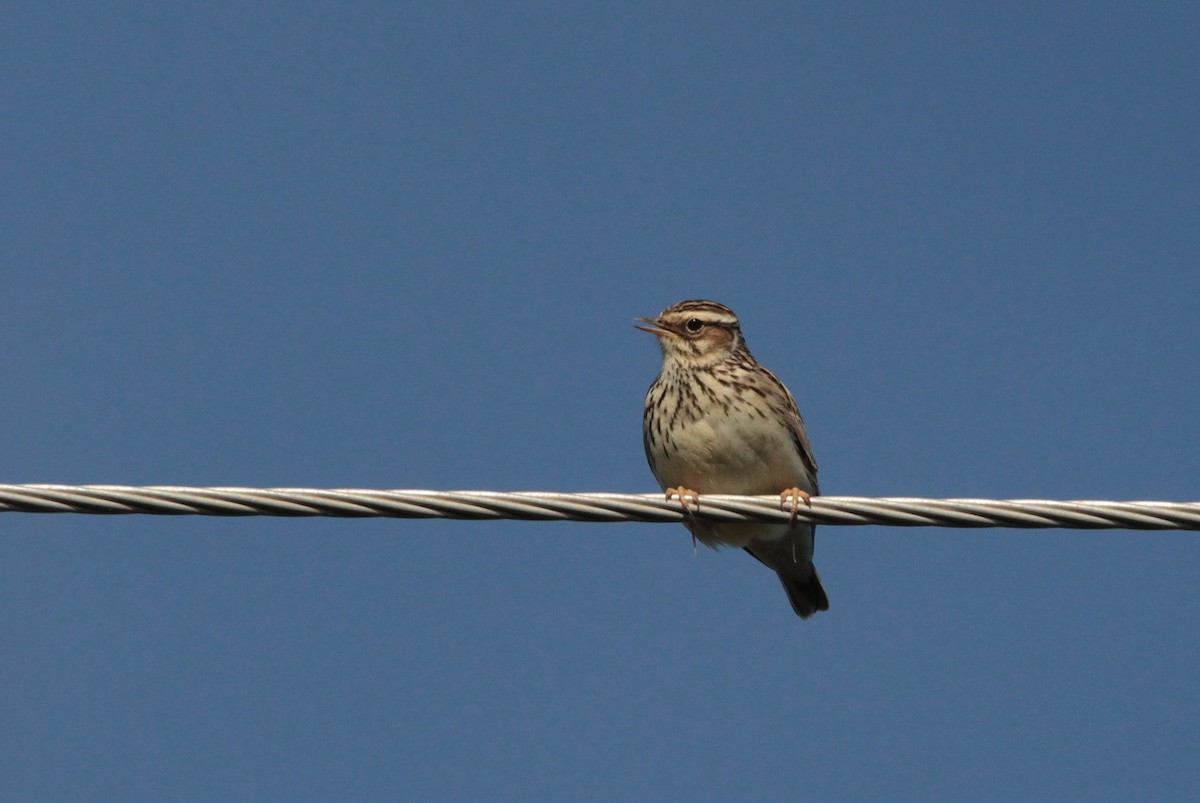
x: 694, y: 325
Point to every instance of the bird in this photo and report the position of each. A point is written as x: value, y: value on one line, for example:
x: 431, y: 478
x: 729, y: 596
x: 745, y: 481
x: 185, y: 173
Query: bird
x: 717, y: 422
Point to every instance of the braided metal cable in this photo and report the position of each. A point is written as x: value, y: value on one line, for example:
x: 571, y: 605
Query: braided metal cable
x: 349, y: 502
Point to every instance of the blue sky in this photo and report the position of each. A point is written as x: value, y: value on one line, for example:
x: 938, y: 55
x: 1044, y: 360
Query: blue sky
x: 401, y: 246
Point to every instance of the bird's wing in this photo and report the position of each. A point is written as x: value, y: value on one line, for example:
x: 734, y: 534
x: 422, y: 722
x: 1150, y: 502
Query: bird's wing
x: 795, y: 425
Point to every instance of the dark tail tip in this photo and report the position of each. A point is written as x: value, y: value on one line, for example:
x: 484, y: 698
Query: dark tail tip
x: 805, y: 592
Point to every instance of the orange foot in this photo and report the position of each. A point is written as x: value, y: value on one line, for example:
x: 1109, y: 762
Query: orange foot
x: 794, y: 496
x: 686, y: 497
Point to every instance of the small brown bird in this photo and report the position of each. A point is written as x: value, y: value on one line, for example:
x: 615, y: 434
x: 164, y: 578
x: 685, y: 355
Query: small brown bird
x: 716, y: 421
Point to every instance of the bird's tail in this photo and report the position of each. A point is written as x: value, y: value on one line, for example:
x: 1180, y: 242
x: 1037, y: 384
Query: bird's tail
x: 804, y: 589
x: 796, y: 572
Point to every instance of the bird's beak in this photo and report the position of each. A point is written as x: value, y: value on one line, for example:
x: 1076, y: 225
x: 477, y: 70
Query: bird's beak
x: 653, y: 328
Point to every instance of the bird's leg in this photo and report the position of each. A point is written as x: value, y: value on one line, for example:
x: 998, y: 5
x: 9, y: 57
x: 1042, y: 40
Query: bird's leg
x: 793, y: 496
x: 687, y: 497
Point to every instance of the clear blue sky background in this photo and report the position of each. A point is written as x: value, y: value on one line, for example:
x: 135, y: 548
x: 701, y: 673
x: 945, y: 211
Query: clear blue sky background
x: 397, y: 246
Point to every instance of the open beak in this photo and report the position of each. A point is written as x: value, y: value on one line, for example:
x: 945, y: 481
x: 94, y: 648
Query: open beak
x: 653, y: 328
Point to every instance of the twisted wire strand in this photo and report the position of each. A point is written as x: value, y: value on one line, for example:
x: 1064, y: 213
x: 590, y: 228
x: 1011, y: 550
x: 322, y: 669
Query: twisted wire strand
x: 530, y: 506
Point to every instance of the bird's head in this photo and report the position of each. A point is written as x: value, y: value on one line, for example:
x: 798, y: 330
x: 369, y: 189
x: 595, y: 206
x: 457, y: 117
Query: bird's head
x: 696, y: 333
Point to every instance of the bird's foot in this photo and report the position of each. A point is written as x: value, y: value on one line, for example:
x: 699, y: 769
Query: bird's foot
x: 686, y: 496
x: 793, y: 496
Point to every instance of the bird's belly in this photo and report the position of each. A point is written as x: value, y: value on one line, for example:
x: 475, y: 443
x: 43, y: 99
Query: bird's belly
x: 730, y: 456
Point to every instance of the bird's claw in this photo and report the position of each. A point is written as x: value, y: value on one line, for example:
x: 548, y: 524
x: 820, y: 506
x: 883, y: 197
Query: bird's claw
x: 686, y: 496
x: 794, y: 496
